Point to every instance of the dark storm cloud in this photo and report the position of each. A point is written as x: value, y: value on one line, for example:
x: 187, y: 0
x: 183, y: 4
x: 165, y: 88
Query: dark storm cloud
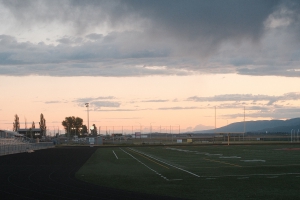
x: 215, y: 20
x: 256, y: 37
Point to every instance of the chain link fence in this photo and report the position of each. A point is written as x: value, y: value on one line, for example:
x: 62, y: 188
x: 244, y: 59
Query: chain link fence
x: 20, y: 145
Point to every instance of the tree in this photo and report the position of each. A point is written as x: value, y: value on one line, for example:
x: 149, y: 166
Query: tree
x: 94, y: 130
x: 72, y: 125
x: 84, y: 129
x: 29, y: 133
x: 33, y: 125
x: 16, y: 124
x: 42, y: 125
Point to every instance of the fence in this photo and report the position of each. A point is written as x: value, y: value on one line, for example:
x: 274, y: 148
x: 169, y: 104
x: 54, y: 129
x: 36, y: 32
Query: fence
x: 167, y: 138
x: 12, y: 146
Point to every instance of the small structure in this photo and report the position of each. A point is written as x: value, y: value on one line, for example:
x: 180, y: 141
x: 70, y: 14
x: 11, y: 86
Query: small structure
x: 94, y: 140
x: 31, y: 132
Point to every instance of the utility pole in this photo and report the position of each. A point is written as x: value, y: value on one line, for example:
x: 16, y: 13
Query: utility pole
x: 87, y: 107
x: 244, y: 124
x: 215, y: 119
x: 25, y: 122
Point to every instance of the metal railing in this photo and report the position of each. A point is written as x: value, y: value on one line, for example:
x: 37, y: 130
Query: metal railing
x: 20, y: 145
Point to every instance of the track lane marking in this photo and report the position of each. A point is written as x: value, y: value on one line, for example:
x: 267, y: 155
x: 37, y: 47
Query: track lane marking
x: 145, y: 165
x: 115, y: 154
x: 167, y: 163
x: 150, y: 159
x: 243, y: 175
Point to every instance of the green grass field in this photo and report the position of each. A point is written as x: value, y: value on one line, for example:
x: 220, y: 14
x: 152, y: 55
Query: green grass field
x: 199, y: 172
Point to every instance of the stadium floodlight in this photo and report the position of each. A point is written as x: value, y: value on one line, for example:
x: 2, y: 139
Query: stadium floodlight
x: 87, y: 108
x: 73, y: 128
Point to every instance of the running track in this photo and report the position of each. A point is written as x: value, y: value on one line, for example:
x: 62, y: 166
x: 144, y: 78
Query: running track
x: 50, y: 174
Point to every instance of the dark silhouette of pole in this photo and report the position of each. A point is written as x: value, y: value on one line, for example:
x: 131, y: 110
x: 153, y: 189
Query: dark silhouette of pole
x: 87, y: 107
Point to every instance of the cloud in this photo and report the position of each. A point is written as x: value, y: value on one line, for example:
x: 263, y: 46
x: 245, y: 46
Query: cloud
x: 94, y: 36
x: 189, y: 20
x: 141, y: 38
x: 179, y: 108
x: 129, y: 118
x: 247, y: 97
x: 52, y: 102
x: 117, y: 110
x: 96, y: 103
x: 91, y: 99
x: 200, y: 127
x: 99, y: 104
x: 156, y: 100
x: 279, y: 112
x: 69, y: 40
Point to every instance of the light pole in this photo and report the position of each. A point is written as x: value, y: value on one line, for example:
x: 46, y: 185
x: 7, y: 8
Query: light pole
x: 74, y: 129
x: 140, y: 130
x: 292, y: 135
x: 68, y: 132
x: 87, y: 108
x: 151, y: 129
x: 178, y: 130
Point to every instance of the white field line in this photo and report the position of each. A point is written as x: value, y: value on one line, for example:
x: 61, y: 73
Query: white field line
x: 272, y: 177
x: 243, y: 178
x: 145, y: 165
x: 115, y: 154
x: 229, y: 157
x: 204, y: 153
x: 254, y: 160
x: 165, y: 163
x: 243, y: 175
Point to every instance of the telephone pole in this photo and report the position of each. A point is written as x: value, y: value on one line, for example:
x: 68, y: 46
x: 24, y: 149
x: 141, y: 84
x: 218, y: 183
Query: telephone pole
x: 87, y: 108
x: 244, y: 124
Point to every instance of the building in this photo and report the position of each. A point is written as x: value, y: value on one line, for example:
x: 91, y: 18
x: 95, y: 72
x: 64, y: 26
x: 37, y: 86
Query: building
x: 31, y: 132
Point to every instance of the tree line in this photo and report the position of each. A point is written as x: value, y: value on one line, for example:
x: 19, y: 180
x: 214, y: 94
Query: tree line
x: 74, y: 126
x: 29, y: 133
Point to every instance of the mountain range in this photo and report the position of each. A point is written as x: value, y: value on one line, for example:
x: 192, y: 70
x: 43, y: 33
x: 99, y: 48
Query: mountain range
x: 270, y: 126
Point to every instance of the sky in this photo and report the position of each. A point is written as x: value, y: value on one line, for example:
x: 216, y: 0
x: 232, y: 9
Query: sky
x: 142, y: 63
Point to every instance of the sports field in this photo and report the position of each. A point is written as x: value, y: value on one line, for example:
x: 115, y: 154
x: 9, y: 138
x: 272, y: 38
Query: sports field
x: 199, y: 172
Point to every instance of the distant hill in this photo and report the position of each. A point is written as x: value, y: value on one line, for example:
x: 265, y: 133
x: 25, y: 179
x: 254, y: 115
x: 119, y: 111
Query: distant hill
x: 259, y: 126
